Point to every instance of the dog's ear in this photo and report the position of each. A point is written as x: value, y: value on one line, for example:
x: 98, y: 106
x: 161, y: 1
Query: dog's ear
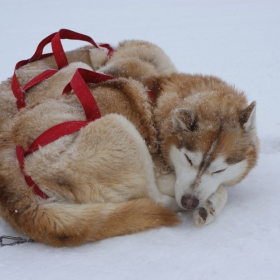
x: 247, y: 117
x: 183, y: 119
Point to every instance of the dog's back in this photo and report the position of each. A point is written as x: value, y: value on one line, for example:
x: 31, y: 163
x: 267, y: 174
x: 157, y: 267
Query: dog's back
x: 96, y: 178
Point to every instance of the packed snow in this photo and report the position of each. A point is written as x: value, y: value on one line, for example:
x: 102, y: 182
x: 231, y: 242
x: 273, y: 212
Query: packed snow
x: 237, y: 41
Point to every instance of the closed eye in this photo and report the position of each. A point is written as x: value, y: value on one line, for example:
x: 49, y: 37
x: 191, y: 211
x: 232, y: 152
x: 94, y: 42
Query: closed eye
x: 188, y: 159
x: 219, y: 171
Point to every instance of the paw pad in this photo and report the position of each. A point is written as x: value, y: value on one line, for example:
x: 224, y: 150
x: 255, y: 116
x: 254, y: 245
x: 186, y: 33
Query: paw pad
x: 203, y: 214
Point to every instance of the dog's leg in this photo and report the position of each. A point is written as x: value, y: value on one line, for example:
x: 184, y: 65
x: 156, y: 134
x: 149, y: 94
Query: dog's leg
x: 212, y: 207
x: 163, y: 200
x: 144, y: 156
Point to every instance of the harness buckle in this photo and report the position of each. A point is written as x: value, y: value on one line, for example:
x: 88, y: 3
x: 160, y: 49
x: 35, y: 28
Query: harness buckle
x: 11, y: 240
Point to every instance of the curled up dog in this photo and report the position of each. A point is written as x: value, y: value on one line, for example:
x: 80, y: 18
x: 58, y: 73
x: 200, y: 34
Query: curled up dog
x: 135, y: 167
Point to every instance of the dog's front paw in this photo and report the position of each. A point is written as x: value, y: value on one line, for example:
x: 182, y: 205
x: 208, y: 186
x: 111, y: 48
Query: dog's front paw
x: 211, y: 209
x: 169, y: 202
x: 203, y: 215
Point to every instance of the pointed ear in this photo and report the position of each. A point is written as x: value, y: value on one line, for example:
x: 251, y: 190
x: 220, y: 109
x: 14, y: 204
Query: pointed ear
x: 183, y: 119
x: 247, y: 117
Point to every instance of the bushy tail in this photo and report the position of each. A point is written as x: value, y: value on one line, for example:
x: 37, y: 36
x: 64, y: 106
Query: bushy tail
x: 60, y: 224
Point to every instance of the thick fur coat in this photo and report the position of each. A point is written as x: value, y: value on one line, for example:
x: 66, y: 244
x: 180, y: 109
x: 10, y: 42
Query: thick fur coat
x: 135, y: 167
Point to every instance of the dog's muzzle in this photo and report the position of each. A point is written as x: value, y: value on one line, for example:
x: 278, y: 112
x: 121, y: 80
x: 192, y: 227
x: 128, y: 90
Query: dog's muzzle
x: 189, y: 201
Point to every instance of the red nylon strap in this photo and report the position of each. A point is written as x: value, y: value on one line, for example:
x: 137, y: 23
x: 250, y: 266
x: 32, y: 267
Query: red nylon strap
x: 28, y: 179
x: 59, y: 55
x: 109, y: 48
x: 45, y: 138
x: 79, y: 86
x: 58, y: 51
x: 43, y: 76
x: 20, y: 92
x: 54, y: 133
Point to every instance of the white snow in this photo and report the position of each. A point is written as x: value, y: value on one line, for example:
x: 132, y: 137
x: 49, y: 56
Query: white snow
x: 238, y: 41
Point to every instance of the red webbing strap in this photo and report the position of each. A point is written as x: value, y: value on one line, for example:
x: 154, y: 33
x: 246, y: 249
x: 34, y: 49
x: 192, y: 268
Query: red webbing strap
x: 28, y: 179
x: 58, y: 50
x: 45, y: 138
x: 80, y: 88
x: 54, y: 133
x: 109, y: 48
x: 20, y: 92
x: 59, y: 55
x: 43, y: 76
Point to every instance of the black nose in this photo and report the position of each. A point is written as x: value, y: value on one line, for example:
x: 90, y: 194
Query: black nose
x: 189, y: 201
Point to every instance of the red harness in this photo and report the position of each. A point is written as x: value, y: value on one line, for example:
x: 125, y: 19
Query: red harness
x: 60, y: 58
x: 77, y: 84
x: 80, y: 88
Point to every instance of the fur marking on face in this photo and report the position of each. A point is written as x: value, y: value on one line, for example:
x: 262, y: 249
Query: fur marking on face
x: 198, y: 176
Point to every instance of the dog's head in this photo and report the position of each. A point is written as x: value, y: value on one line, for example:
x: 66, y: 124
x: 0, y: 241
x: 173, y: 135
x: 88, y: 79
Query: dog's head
x: 211, y: 141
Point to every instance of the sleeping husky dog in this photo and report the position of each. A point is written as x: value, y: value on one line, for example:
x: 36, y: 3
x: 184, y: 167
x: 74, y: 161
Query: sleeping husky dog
x: 139, y: 164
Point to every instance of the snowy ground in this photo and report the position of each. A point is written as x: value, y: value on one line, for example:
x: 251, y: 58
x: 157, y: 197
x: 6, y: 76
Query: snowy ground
x: 236, y: 40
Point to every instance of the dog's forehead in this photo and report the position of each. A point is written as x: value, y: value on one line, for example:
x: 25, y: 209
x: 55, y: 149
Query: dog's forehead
x: 198, y: 141
x: 208, y: 146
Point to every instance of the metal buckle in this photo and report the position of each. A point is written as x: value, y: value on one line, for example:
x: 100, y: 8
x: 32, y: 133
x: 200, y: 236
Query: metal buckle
x: 11, y: 240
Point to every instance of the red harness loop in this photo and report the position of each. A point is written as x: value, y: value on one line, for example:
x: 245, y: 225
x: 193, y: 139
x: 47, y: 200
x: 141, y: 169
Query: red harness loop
x: 109, y: 48
x: 20, y: 153
x: 59, y: 55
